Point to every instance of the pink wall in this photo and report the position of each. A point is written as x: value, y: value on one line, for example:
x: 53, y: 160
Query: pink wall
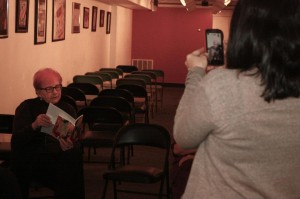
x: 167, y: 36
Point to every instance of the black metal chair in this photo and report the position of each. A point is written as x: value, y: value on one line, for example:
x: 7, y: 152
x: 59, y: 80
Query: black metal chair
x: 87, y: 88
x: 141, y: 103
x: 92, y: 79
x: 127, y: 68
x: 106, y: 78
x: 77, y: 95
x: 118, y: 93
x: 100, y: 125
x: 90, y: 90
x: 119, y: 103
x: 117, y: 70
x: 70, y: 100
x: 149, y: 87
x: 6, y: 125
x: 160, y: 80
x: 143, y: 135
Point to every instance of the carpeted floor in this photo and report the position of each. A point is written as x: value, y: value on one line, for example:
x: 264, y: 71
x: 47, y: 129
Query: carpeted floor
x: 93, y: 171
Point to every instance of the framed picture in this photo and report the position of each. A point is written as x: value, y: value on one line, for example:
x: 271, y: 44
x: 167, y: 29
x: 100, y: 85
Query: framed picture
x: 108, y: 22
x: 94, y: 18
x: 22, y: 13
x: 3, y: 18
x: 76, y: 18
x: 86, y: 17
x: 102, y: 14
x: 40, y: 22
x: 58, y: 20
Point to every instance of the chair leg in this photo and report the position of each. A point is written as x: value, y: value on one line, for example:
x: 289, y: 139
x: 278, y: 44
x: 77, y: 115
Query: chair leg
x: 115, y: 189
x: 104, y: 189
x: 89, y: 153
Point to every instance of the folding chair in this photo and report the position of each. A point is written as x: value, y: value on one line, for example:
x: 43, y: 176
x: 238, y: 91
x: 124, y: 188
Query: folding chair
x: 145, y: 135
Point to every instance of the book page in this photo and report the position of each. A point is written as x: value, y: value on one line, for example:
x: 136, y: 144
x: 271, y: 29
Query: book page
x: 57, y: 117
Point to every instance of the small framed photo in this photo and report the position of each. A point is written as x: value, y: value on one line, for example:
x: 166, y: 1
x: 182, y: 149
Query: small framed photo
x: 22, y: 13
x: 86, y: 17
x: 40, y: 21
x: 3, y: 18
x: 58, y: 20
x: 102, y: 15
x: 94, y: 18
x: 108, y: 22
x: 76, y: 18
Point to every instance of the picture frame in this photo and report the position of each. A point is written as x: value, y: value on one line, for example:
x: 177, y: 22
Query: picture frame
x: 40, y: 22
x: 86, y: 17
x: 108, y: 22
x: 58, y: 20
x: 94, y: 18
x: 3, y: 18
x: 22, y: 14
x: 102, y: 16
x: 75, y: 17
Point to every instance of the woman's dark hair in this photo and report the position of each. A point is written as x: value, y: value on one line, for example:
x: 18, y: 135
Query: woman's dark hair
x: 266, y: 34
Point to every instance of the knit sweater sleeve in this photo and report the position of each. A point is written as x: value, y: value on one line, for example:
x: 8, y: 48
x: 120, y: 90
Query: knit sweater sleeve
x: 193, y: 119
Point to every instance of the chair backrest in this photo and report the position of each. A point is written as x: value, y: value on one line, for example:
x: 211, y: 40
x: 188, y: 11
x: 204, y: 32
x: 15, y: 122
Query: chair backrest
x: 152, y: 75
x: 127, y: 68
x: 129, y: 81
x: 68, y: 99
x: 75, y: 93
x: 160, y: 74
x: 104, y: 76
x: 95, y: 116
x: 87, y: 88
x: 136, y: 90
x: 92, y: 79
x: 118, y: 93
x: 119, y: 71
x: 6, y: 123
x: 119, y: 103
x: 144, y: 77
x: 144, y: 134
x: 113, y: 74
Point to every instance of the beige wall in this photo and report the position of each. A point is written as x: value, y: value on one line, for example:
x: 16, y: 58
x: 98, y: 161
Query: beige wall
x: 222, y: 21
x: 77, y: 54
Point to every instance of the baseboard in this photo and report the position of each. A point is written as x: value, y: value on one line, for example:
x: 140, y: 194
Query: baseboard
x: 174, y: 85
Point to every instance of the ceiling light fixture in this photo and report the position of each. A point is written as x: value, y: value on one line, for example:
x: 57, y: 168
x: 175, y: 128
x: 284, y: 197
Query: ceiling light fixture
x: 226, y: 2
x: 183, y: 2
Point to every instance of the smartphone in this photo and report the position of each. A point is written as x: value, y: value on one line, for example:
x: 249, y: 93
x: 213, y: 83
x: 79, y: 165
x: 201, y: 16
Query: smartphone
x: 214, y: 47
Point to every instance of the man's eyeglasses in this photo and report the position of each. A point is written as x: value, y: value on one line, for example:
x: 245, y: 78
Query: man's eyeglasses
x: 50, y: 89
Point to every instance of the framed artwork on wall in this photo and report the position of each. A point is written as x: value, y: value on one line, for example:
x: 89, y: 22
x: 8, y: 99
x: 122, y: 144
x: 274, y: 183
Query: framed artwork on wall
x: 40, y: 21
x: 22, y: 13
x: 76, y: 18
x: 3, y: 18
x: 108, y: 22
x: 58, y: 20
x: 102, y: 14
x: 94, y: 18
x: 86, y: 17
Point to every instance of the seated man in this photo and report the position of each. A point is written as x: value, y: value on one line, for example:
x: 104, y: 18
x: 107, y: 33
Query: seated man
x: 37, y: 156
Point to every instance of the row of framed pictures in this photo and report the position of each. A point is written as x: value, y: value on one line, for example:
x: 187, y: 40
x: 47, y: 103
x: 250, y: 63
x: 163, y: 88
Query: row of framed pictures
x: 86, y: 14
x: 58, y: 19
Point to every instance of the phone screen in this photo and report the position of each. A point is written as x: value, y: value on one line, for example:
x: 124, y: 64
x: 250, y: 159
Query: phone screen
x: 214, y: 47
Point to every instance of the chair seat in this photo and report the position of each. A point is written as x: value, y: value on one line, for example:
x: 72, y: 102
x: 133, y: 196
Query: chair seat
x: 141, y: 174
x: 92, y: 138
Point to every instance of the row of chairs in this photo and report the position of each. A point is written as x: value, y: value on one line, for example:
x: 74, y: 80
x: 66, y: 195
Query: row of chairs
x: 107, y: 78
x: 125, y: 136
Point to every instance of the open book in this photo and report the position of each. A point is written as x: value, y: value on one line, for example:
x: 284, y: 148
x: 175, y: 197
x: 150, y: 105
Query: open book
x: 64, y: 125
